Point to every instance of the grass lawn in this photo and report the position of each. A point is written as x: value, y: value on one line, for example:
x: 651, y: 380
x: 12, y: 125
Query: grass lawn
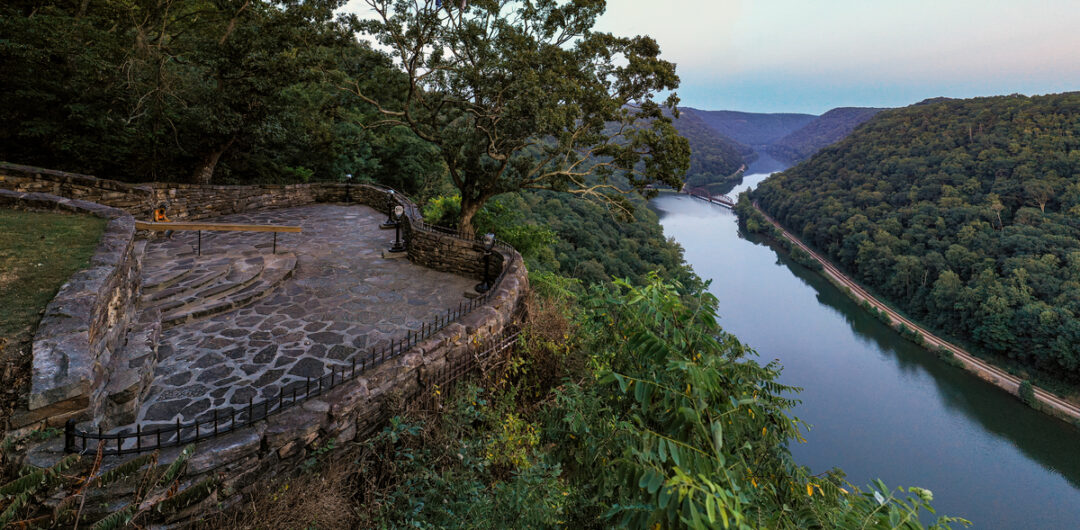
x: 39, y: 251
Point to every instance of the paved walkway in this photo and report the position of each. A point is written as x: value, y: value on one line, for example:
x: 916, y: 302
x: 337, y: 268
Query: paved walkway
x: 343, y: 297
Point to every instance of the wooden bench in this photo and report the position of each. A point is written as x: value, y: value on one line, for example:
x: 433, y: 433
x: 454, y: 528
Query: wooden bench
x: 217, y: 227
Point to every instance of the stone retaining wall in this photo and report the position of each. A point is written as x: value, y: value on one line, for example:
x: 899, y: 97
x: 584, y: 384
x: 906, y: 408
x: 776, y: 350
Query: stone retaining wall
x: 134, y: 199
x: 451, y: 254
x: 84, y: 325
x: 190, y: 201
x: 185, y: 201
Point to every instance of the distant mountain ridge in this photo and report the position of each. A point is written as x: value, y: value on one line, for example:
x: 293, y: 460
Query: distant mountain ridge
x: 714, y: 158
x: 751, y: 128
x: 823, y: 131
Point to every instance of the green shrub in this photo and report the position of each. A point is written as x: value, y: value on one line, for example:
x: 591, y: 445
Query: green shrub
x: 1026, y: 392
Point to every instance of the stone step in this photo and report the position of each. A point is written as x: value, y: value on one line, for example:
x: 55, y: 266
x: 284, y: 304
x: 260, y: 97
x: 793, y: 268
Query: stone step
x: 194, y: 279
x: 275, y: 270
x: 155, y: 280
x: 240, y: 273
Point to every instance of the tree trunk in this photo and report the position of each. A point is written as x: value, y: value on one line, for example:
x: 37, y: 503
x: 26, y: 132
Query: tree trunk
x: 469, y: 208
x: 204, y: 173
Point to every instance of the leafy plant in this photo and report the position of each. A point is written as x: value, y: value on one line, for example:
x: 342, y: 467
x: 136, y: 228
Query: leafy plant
x: 682, y: 427
x: 1027, y: 393
x: 155, y: 492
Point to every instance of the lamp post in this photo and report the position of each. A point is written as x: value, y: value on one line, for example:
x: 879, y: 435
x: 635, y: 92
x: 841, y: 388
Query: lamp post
x: 348, y: 187
x: 488, y: 244
x: 390, y: 204
x: 397, y: 245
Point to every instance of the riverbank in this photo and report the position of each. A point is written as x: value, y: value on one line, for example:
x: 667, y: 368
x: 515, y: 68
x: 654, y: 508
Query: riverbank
x: 1044, y: 400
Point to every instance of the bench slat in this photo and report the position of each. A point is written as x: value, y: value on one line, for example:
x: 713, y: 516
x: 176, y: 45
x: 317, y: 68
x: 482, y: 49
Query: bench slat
x: 223, y: 227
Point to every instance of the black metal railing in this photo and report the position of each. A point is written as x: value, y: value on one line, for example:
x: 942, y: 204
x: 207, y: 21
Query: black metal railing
x: 222, y: 420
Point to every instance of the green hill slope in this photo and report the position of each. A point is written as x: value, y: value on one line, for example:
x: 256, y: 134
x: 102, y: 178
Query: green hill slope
x: 827, y: 129
x: 963, y: 213
x: 713, y: 157
x: 752, y: 128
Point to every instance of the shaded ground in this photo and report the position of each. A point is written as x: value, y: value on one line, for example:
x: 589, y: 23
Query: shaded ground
x: 343, y: 298
x: 39, y: 251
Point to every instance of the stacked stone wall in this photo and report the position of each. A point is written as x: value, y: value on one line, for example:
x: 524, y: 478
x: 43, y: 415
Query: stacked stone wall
x: 133, y: 199
x: 451, y: 254
x: 188, y: 202
x: 85, y: 323
x: 185, y: 201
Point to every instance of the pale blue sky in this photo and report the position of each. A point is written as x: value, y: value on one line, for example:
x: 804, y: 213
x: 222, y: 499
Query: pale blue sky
x: 814, y: 55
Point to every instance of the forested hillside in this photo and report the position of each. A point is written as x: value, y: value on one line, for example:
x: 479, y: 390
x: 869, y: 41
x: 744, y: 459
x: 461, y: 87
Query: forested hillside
x: 713, y: 157
x: 752, y: 128
x: 825, y: 130
x: 963, y: 213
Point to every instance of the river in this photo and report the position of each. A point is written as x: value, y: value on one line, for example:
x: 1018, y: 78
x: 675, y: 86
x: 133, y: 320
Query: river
x: 879, y: 406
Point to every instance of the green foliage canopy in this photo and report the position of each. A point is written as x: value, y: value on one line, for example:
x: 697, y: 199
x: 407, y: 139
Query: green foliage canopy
x: 233, y: 91
x: 525, y: 95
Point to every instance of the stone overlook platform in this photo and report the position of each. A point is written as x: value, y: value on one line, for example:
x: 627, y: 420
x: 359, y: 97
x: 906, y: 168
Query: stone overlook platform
x: 153, y: 347
x: 240, y: 323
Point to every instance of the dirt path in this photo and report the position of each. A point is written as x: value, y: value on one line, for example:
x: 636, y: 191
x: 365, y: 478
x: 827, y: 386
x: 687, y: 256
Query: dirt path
x: 986, y: 371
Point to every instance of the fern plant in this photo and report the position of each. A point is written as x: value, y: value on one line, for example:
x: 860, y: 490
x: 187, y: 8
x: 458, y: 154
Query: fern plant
x: 155, y: 492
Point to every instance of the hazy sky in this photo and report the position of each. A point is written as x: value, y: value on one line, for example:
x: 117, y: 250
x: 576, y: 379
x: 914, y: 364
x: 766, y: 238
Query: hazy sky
x: 813, y: 55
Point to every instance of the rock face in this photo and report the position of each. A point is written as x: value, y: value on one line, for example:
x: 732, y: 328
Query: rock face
x: 85, y: 323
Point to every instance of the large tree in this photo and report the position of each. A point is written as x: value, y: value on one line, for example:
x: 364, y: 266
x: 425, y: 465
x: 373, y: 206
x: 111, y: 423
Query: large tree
x: 525, y: 95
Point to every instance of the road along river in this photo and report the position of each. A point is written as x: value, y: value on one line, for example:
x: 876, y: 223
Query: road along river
x: 881, y: 406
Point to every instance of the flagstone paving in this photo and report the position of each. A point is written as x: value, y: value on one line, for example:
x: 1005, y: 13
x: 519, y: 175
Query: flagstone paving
x: 343, y: 298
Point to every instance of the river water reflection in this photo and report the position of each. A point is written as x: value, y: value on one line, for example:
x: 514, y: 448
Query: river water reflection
x: 880, y: 406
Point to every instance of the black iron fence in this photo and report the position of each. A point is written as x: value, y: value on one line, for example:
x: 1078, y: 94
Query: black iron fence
x: 223, y: 420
